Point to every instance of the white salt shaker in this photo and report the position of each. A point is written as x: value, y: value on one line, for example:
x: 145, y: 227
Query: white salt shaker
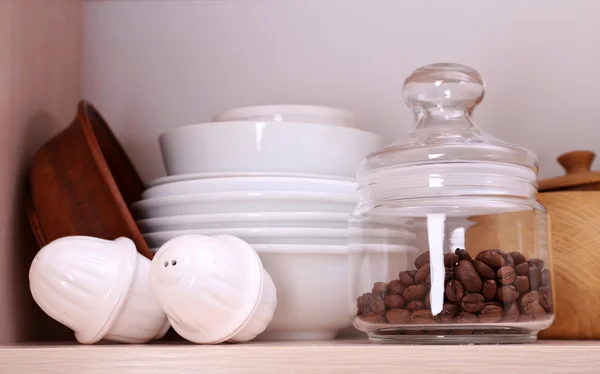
x: 213, y: 289
x: 98, y: 288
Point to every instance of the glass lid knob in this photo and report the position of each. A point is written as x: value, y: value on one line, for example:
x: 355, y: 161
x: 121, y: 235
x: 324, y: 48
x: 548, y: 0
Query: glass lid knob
x: 444, y: 89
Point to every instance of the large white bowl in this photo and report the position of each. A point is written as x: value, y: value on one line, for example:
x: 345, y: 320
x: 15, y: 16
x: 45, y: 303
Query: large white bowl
x: 243, y: 202
x: 266, y: 147
x: 236, y: 220
x: 313, y: 287
x: 290, y: 113
x: 250, y: 184
x: 295, y: 235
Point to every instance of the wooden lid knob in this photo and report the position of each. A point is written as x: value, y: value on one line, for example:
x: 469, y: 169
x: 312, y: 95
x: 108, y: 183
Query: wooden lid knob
x: 577, y: 161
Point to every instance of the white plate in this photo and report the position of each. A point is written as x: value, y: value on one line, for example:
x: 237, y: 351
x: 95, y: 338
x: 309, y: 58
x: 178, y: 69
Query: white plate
x: 234, y: 220
x: 194, y: 176
x: 205, y: 185
x: 326, y: 249
x: 243, y: 202
x: 278, y: 235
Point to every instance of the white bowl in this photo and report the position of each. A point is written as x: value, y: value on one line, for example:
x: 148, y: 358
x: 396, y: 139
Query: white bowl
x: 250, y: 184
x: 278, y: 235
x: 290, y: 113
x: 266, y: 147
x: 193, y: 176
x: 243, y: 202
x: 235, y: 220
x: 313, y: 288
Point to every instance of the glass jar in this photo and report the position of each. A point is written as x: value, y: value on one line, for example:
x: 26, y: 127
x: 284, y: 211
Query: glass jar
x: 448, y: 243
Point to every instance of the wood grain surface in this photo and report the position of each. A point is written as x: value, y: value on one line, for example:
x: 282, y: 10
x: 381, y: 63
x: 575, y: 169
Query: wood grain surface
x: 326, y: 357
x: 575, y: 222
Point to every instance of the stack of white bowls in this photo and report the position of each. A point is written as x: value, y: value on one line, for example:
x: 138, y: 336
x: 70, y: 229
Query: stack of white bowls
x: 282, y: 178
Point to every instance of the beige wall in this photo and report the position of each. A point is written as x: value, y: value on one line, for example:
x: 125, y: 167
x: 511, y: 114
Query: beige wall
x: 40, y: 47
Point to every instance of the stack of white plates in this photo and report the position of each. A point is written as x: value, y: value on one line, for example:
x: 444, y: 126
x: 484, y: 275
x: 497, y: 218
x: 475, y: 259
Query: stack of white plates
x: 282, y: 179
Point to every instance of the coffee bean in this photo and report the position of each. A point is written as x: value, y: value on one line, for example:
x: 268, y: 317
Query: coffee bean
x: 396, y: 287
x: 546, y: 297
x: 545, y: 277
x: 422, y: 260
x: 507, y: 294
x: 415, y: 292
x: 449, y: 309
x: 466, y: 317
x: 472, y: 303
x: 535, y: 277
x: 373, y: 318
x: 377, y: 305
x: 518, y: 257
x: 525, y: 318
x: 489, y: 289
x: 454, y: 291
x: 449, y: 275
x: 398, y: 316
x: 422, y: 273
x: 491, y: 258
x: 405, y: 278
x: 421, y: 313
x: 415, y: 305
x: 529, y: 302
x: 428, y: 300
x: 365, y: 307
x: 428, y: 281
x: 509, y: 260
x: 394, y: 301
x: 499, y: 251
x: 512, y: 313
x: 412, y: 273
x: 538, y: 262
x: 380, y: 288
x: 467, y: 275
x: 423, y: 321
x: 506, y: 275
x: 450, y: 259
x: 491, y: 314
x: 485, y: 271
x: 522, y: 268
x: 539, y: 313
x: 521, y: 283
x: 359, y: 303
x: 463, y: 255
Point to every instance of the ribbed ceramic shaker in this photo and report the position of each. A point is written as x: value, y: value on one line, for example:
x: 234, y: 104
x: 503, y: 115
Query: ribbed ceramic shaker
x: 98, y: 288
x: 213, y: 289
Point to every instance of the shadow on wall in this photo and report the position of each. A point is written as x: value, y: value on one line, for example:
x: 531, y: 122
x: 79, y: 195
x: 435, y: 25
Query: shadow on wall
x: 32, y: 323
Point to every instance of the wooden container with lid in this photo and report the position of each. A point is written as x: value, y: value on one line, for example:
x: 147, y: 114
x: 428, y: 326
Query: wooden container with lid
x: 573, y: 204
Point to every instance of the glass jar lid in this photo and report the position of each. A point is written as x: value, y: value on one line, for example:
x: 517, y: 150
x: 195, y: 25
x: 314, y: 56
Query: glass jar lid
x: 444, y: 140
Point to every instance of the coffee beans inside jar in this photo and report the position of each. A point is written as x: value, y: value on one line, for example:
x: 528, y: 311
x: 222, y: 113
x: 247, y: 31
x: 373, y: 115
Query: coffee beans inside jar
x: 493, y: 287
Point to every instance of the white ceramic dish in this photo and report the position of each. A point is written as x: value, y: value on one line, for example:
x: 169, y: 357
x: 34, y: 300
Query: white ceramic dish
x: 235, y: 220
x: 290, y: 113
x: 194, y: 176
x: 247, y: 146
x: 243, y: 202
x: 314, y: 300
x: 250, y: 184
x: 278, y: 235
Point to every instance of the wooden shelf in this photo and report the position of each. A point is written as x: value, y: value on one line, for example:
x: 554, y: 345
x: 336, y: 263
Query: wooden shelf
x: 326, y: 357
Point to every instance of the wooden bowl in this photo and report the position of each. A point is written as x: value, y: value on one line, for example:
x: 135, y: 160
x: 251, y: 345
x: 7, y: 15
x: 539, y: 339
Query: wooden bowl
x: 82, y: 183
